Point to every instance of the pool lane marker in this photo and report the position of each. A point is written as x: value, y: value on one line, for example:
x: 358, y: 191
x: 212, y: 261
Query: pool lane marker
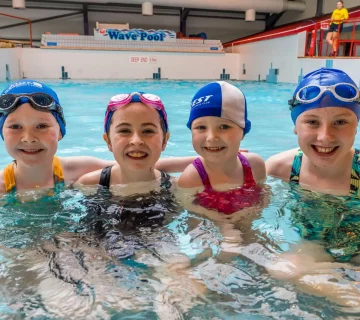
x: 64, y: 74
x: 224, y: 75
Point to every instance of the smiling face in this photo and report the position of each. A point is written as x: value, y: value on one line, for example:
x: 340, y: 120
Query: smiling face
x: 31, y: 137
x: 326, y: 135
x: 216, y: 139
x: 339, y: 5
x: 135, y: 137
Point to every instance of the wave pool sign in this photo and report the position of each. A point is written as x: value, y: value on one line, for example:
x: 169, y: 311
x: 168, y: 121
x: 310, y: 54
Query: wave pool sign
x: 134, y: 35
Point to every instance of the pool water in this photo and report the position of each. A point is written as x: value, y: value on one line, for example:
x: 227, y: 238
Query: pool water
x: 48, y: 272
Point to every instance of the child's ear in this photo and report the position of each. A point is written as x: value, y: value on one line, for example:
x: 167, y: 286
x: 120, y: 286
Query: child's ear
x: 295, y: 131
x: 166, y: 139
x: 107, y: 140
x: 60, y: 136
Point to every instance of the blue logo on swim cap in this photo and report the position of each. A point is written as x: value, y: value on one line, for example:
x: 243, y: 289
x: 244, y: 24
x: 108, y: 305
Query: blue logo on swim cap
x: 32, y: 86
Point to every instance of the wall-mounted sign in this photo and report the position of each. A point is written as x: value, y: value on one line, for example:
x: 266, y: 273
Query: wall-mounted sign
x: 134, y: 35
x: 142, y: 59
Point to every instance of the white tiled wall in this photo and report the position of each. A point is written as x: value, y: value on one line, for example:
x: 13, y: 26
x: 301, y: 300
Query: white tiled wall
x: 283, y: 54
x: 12, y: 57
x: 91, y: 64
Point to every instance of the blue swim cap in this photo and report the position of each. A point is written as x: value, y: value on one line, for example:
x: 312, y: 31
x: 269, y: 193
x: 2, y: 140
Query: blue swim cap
x: 326, y: 77
x: 32, y: 86
x: 223, y: 100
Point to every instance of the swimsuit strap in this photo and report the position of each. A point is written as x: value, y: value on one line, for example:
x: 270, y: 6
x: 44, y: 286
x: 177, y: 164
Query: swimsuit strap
x: 59, y: 178
x: 9, y: 178
x: 10, y: 182
x: 197, y: 163
x: 296, y: 167
x: 105, y: 176
x: 355, y: 176
x: 165, y: 181
x: 248, y: 176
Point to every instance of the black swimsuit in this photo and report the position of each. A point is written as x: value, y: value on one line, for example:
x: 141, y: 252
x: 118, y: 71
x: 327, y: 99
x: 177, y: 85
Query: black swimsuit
x: 105, y: 177
x: 123, y: 223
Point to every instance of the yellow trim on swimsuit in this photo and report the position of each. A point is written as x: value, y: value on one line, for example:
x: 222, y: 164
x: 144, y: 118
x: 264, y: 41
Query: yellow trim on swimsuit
x: 9, y: 175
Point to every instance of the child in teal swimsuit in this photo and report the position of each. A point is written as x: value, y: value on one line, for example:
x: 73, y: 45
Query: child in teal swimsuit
x: 325, y: 110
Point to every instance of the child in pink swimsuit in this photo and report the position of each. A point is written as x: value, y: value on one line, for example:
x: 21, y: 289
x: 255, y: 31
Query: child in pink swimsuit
x: 222, y: 178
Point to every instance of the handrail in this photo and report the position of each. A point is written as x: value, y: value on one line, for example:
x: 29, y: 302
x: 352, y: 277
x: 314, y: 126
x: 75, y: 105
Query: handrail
x: 20, y: 18
x: 322, y: 26
x: 286, y: 30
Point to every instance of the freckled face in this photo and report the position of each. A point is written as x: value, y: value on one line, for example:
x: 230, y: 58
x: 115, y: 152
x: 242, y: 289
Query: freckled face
x: 31, y: 136
x: 326, y: 135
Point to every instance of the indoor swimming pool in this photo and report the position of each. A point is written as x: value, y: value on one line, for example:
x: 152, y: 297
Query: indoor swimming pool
x: 52, y: 268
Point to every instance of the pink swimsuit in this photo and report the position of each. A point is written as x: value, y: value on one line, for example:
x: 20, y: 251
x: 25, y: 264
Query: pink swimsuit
x: 230, y: 201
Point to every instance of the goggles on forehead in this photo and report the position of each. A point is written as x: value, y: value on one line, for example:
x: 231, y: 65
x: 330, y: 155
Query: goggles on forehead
x: 344, y: 92
x: 39, y: 101
x: 121, y: 100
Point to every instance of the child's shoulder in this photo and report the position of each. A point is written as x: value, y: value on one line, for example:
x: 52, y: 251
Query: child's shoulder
x: 257, y: 165
x: 279, y: 165
x: 90, y: 178
x: 190, y: 178
x: 76, y: 167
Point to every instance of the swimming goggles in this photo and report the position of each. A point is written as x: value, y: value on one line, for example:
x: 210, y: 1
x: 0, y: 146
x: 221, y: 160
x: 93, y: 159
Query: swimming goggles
x: 39, y: 101
x: 344, y: 92
x: 151, y: 100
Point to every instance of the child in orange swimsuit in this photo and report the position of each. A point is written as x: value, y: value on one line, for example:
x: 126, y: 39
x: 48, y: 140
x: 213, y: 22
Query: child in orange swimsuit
x: 222, y: 178
x: 31, y: 124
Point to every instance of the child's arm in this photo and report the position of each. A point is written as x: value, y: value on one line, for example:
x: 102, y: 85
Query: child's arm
x: 171, y: 165
x: 257, y: 167
x: 177, y: 164
x: 76, y: 167
x: 190, y: 178
x: 89, y: 179
x: 279, y: 165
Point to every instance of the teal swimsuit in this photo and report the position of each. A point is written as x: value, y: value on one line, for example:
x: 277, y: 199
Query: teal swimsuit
x: 355, y: 173
x: 333, y: 220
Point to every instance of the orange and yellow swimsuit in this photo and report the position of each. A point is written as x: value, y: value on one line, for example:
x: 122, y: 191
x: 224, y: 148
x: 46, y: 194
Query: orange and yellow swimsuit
x: 10, y: 182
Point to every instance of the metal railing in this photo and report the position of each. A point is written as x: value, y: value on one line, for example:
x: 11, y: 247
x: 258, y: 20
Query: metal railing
x: 30, y: 28
x: 347, y: 43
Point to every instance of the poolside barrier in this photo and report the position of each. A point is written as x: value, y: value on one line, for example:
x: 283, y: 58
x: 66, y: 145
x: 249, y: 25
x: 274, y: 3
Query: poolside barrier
x: 7, y: 68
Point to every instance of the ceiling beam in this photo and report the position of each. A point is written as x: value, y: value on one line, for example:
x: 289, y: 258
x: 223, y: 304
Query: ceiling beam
x: 271, y: 19
x: 91, y: 5
x: 42, y: 20
x: 319, y: 8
